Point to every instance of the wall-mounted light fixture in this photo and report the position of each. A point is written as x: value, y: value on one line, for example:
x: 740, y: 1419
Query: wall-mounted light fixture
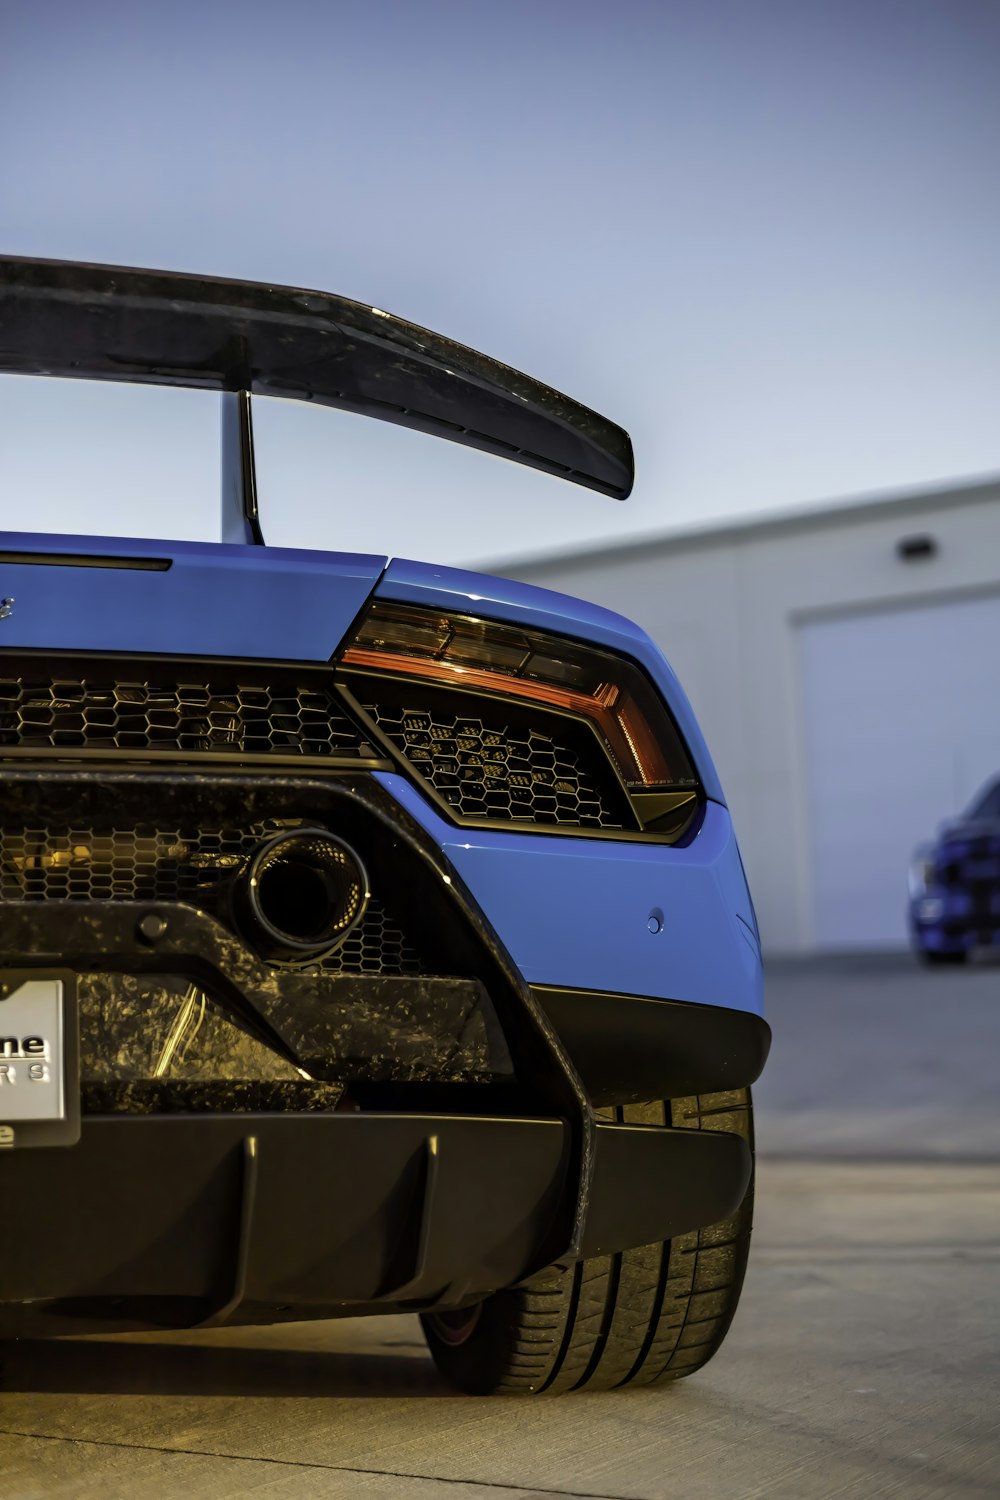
x: 918, y: 548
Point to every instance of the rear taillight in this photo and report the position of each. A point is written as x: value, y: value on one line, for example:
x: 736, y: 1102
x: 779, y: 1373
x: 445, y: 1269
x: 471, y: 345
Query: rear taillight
x: 559, y: 677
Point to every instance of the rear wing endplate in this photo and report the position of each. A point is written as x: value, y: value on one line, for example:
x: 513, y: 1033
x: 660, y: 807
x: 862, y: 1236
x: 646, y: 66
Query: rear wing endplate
x: 243, y: 338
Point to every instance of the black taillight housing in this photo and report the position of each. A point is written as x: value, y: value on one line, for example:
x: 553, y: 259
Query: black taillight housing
x: 545, y: 680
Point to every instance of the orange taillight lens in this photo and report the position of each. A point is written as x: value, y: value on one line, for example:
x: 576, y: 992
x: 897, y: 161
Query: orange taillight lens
x: 559, y: 675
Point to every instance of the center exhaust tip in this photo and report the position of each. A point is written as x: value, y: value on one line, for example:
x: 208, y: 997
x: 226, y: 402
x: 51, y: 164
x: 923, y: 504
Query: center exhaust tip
x: 301, y: 895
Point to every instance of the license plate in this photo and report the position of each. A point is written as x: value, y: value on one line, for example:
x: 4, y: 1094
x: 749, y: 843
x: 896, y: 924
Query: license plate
x: 39, y: 1084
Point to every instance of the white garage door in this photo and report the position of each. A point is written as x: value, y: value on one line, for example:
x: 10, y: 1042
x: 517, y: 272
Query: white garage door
x: 901, y: 719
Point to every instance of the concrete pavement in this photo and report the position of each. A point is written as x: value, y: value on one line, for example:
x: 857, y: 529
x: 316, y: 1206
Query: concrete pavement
x: 876, y: 1056
x: 864, y: 1361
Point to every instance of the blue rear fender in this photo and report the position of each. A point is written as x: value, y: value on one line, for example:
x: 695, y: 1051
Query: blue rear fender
x: 671, y: 923
x: 668, y: 922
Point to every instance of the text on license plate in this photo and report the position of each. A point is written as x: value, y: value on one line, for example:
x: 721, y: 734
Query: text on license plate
x: 32, y: 1083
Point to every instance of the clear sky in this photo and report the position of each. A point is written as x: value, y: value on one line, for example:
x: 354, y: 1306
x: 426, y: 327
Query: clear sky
x: 761, y: 234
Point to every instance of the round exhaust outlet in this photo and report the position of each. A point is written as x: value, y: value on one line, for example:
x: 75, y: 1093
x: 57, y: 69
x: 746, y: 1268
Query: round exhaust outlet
x: 301, y: 895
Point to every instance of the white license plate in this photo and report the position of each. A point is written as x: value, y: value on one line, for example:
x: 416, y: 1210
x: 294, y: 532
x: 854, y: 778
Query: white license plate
x: 39, y: 1101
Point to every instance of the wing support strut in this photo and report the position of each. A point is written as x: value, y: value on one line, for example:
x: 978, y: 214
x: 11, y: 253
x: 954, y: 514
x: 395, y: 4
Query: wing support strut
x: 240, y: 519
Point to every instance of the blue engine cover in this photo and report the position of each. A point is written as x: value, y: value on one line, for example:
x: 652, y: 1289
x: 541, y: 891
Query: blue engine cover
x: 268, y: 603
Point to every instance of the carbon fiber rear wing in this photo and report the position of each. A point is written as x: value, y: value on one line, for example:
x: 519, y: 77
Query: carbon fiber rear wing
x: 242, y: 338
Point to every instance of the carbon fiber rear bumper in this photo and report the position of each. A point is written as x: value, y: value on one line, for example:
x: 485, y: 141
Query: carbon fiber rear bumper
x: 425, y: 1196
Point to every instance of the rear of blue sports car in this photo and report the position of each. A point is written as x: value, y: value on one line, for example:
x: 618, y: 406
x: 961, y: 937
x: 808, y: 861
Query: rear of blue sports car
x: 373, y: 936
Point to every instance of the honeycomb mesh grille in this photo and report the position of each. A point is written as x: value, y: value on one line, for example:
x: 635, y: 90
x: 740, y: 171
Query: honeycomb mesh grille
x: 491, y: 761
x: 188, y: 710
x: 146, y: 863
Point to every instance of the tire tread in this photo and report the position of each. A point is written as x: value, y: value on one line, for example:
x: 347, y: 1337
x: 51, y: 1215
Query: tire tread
x: 640, y: 1316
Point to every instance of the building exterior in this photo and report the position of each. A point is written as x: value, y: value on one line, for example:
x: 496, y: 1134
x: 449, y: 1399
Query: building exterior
x: 845, y: 666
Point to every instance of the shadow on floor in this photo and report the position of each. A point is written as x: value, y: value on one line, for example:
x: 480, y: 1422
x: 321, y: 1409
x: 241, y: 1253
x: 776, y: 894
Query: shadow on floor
x: 148, y: 1369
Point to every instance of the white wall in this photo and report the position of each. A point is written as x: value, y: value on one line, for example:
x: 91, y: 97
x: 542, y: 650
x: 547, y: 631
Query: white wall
x: 901, y: 710
x: 726, y: 607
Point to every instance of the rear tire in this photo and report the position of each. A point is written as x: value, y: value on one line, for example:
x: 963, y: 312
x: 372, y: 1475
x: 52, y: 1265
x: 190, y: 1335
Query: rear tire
x: 636, y: 1317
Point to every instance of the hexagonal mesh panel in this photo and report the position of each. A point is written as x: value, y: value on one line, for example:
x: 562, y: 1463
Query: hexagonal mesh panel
x: 173, y: 864
x: 493, y: 760
x: 63, y: 705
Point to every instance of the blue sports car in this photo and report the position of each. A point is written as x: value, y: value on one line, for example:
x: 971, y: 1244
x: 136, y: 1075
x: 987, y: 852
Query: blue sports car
x: 373, y: 935
x: 955, y: 884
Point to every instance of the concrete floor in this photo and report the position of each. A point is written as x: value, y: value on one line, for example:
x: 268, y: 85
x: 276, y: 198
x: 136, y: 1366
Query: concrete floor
x: 878, y: 1057
x: 865, y: 1360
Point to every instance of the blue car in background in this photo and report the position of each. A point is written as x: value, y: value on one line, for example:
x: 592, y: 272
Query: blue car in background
x: 955, y: 884
x: 373, y: 935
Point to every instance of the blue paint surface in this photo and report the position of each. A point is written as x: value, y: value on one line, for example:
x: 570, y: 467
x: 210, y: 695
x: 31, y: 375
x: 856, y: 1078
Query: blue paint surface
x: 575, y: 911
x: 644, y: 919
x: 525, y: 604
x: 214, y: 600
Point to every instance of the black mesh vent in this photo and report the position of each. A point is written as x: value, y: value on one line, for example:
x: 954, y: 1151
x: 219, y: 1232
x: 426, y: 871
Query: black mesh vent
x: 173, y: 864
x: 495, y: 760
x: 194, y: 709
